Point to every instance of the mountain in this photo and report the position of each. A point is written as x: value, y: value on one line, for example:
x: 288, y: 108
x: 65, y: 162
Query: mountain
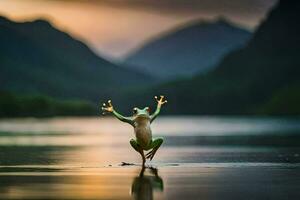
x: 36, y: 58
x: 196, y: 47
x: 261, y: 78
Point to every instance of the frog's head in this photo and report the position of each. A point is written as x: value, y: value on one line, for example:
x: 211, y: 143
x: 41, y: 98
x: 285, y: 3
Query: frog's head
x: 141, y: 113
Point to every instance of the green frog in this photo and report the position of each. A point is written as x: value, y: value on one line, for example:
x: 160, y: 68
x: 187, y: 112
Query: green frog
x: 141, y: 120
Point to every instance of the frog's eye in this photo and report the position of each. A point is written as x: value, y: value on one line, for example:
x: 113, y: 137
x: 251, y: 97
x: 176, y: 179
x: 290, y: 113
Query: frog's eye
x: 148, y: 109
x: 135, y: 111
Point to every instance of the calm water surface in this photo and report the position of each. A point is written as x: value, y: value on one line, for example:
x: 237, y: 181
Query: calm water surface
x: 202, y: 158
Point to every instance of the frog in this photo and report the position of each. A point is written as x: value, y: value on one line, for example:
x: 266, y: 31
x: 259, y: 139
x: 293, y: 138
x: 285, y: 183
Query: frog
x: 140, y: 120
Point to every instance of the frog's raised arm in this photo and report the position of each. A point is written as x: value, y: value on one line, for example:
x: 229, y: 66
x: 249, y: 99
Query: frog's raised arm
x: 109, y: 108
x: 160, y: 102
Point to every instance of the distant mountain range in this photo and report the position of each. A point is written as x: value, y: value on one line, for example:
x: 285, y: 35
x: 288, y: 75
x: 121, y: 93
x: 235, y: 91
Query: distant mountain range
x: 194, y: 48
x: 261, y: 78
x: 37, y: 58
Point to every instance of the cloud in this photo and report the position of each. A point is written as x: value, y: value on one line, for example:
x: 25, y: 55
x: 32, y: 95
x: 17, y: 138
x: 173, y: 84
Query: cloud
x: 115, y: 27
x: 187, y: 6
x: 246, y: 12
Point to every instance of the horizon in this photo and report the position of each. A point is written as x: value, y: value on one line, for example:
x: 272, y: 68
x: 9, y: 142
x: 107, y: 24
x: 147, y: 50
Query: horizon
x: 129, y: 32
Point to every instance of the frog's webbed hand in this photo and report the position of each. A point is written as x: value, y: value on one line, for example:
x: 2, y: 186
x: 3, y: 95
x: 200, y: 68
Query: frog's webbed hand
x: 109, y: 108
x: 160, y: 102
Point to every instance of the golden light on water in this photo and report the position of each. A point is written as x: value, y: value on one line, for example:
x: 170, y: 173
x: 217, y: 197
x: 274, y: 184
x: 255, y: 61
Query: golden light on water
x: 81, y: 158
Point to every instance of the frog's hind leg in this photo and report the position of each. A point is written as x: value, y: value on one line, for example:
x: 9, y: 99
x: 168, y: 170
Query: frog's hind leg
x: 155, y: 144
x: 138, y: 148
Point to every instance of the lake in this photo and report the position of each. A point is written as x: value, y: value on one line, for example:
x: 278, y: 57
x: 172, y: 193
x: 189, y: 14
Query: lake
x: 201, y: 158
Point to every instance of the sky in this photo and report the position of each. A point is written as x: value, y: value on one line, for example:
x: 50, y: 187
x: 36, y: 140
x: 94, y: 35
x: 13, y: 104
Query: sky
x: 114, y: 28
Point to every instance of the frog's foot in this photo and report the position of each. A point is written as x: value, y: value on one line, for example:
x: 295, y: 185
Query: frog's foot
x: 150, y: 154
x: 107, y: 107
x: 154, y: 146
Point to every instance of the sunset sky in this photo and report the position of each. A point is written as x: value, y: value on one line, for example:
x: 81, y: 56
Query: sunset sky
x: 112, y: 28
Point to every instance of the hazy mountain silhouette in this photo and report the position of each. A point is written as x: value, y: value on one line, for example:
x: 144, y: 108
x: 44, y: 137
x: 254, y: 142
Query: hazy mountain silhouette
x: 262, y: 77
x: 37, y: 58
x: 185, y: 51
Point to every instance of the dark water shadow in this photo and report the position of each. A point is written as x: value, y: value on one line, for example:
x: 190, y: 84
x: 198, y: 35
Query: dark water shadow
x: 144, y: 185
x: 33, y: 155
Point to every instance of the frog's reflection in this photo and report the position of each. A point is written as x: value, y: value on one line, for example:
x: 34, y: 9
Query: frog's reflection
x: 143, y: 186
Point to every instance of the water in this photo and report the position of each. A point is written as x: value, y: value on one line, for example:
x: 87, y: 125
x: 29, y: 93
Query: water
x: 202, y: 157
